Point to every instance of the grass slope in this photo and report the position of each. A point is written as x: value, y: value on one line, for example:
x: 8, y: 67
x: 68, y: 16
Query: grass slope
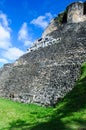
x: 69, y: 114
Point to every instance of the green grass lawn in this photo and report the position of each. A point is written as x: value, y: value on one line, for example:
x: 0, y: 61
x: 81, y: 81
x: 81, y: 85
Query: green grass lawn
x: 69, y: 114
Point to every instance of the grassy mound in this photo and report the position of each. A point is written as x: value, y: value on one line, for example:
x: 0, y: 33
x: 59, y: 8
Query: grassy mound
x: 69, y: 114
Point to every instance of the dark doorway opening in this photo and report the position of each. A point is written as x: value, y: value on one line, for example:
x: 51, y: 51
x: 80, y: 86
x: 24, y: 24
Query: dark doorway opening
x: 84, y: 7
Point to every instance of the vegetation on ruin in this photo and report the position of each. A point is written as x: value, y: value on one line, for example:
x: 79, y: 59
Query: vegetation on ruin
x: 62, y: 18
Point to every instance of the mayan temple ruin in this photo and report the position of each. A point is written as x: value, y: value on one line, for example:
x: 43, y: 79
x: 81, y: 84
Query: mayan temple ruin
x: 51, y: 67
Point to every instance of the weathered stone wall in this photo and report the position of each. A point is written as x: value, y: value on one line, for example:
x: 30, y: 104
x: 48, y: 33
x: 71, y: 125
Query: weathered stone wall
x: 44, y: 76
x: 76, y: 13
x: 51, y: 27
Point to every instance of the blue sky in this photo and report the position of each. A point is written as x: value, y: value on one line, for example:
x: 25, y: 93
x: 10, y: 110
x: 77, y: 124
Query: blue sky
x: 23, y: 21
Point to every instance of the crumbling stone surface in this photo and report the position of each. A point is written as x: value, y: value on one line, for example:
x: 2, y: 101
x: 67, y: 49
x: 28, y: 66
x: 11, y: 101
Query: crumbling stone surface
x: 45, y: 75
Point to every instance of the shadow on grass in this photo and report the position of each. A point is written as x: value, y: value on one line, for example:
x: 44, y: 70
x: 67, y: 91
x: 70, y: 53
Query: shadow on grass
x: 54, y: 124
x: 58, y: 125
x: 73, y: 102
x: 82, y: 124
x: 19, y: 125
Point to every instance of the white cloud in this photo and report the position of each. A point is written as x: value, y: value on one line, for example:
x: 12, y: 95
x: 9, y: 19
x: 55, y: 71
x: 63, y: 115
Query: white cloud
x: 42, y: 21
x: 8, y: 52
x: 28, y: 43
x: 4, y: 38
x: 4, y: 20
x: 4, y: 32
x: 12, y: 53
x: 24, y: 36
x: 3, y: 61
x: 49, y: 16
x: 23, y: 33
